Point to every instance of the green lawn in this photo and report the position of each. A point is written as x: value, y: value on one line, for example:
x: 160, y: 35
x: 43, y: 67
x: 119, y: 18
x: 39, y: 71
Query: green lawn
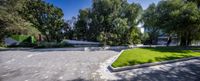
x: 149, y: 55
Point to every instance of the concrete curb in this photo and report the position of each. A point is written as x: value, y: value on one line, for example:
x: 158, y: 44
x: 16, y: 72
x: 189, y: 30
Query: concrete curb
x: 117, y: 57
x: 118, y: 69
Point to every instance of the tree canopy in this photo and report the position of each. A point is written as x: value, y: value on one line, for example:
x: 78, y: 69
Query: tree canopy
x: 175, y: 16
x: 45, y: 17
x: 11, y: 21
x: 111, y: 22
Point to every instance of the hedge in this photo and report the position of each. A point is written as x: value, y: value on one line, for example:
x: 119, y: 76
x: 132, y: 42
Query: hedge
x: 24, y: 38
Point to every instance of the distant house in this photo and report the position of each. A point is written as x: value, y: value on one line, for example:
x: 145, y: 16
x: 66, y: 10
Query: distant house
x: 162, y: 40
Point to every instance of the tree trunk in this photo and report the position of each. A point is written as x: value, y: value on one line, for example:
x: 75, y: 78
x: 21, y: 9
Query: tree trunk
x: 47, y: 37
x: 183, y: 41
x: 169, y: 41
x: 1, y: 41
x: 189, y: 42
x: 189, y: 39
x: 186, y: 39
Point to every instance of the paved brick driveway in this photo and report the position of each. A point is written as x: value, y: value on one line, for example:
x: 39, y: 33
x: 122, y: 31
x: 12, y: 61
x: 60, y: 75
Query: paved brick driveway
x: 62, y: 65
x: 51, y: 65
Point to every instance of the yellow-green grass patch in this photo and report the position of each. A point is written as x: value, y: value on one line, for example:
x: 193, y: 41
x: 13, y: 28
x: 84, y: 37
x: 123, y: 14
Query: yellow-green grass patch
x: 150, y: 55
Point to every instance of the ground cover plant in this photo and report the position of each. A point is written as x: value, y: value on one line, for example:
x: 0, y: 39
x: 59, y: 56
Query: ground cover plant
x: 156, y: 54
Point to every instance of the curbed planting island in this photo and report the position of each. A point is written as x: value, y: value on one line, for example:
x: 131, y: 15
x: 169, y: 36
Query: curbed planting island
x: 153, y: 55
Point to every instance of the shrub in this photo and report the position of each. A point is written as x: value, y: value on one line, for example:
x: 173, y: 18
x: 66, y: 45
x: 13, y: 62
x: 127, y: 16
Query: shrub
x: 25, y: 41
x: 24, y: 38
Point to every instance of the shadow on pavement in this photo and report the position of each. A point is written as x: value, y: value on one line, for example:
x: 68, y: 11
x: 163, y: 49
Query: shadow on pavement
x: 79, y: 79
x: 188, y: 72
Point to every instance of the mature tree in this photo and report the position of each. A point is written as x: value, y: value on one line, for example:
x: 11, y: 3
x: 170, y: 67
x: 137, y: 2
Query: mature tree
x: 67, y: 30
x: 195, y: 1
x: 133, y: 13
x: 121, y: 29
x: 11, y: 21
x: 183, y: 18
x: 150, y: 20
x: 110, y: 19
x: 45, y: 17
x: 179, y: 17
x: 103, y: 12
x: 81, y: 26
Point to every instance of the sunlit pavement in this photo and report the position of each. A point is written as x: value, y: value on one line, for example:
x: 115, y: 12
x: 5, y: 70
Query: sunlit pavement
x: 51, y: 65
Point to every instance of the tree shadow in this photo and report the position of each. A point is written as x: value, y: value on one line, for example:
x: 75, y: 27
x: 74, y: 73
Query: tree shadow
x: 79, y: 79
x: 173, y: 49
x: 159, y: 59
x: 172, y: 57
x: 188, y: 72
x: 11, y: 73
x: 135, y: 62
x: 83, y: 79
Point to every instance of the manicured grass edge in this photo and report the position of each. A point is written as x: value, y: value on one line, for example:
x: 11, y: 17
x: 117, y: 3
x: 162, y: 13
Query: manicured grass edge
x: 112, y: 69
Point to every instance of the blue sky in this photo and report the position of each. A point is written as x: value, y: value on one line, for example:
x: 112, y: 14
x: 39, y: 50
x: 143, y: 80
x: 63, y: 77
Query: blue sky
x: 72, y: 7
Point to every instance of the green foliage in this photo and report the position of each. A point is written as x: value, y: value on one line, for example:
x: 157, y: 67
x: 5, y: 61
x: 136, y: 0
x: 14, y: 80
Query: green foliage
x: 81, y: 28
x: 174, y: 17
x: 19, y: 38
x: 68, y: 31
x: 24, y: 38
x: 150, y: 23
x: 120, y: 30
x: 144, y: 38
x: 45, y: 17
x: 149, y: 55
x: 11, y: 21
x: 108, y: 38
x: 134, y: 36
x: 112, y: 22
x: 24, y: 41
x: 195, y: 1
x: 102, y: 37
